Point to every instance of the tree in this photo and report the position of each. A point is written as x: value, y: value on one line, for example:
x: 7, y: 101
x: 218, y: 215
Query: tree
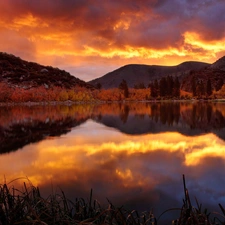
x: 176, y: 91
x: 200, y: 89
x: 162, y: 87
x: 154, y: 86
x: 209, y: 87
x: 123, y: 86
x: 219, y: 84
x: 193, y: 86
x: 169, y: 86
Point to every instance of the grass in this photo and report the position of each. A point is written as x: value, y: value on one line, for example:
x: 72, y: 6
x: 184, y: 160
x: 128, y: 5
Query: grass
x: 29, y: 207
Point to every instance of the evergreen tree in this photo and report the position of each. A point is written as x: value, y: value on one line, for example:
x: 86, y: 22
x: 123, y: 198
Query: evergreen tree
x: 200, y: 89
x: 219, y: 84
x: 154, y: 89
x: 169, y: 86
x: 176, y: 91
x: 151, y: 85
x: 193, y: 86
x: 209, y: 87
x: 123, y: 86
x: 162, y: 87
x: 156, y: 85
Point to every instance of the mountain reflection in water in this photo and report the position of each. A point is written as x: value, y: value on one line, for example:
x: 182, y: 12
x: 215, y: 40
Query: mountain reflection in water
x: 21, y: 125
x: 134, y: 155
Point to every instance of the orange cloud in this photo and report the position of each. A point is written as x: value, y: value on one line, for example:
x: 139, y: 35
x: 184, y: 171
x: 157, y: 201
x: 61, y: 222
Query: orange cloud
x: 51, y: 157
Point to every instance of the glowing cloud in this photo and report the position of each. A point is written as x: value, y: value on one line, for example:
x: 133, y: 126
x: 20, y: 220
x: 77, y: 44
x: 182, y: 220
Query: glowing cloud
x: 195, y: 40
x: 74, y: 34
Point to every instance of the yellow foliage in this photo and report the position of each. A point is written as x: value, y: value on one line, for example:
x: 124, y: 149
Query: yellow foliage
x: 109, y: 95
x: 185, y: 94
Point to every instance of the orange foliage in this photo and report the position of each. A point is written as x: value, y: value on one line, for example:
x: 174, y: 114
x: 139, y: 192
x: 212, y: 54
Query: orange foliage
x: 185, y: 94
x: 80, y: 94
x: 42, y: 94
x: 114, y: 94
x: 220, y: 93
x: 5, y: 92
x: 139, y: 94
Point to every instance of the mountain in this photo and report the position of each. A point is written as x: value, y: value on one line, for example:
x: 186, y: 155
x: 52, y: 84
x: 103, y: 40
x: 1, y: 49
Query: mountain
x: 216, y: 76
x: 20, y: 73
x: 135, y: 74
x: 215, y: 72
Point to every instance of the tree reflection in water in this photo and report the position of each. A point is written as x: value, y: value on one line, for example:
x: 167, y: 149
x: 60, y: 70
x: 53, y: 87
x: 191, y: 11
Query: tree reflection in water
x: 21, y: 125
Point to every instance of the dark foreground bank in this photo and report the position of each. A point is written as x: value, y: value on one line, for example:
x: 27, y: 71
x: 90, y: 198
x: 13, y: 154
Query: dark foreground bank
x: 27, y: 206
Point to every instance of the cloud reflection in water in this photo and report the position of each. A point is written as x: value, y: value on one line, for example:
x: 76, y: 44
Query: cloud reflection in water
x: 142, y: 171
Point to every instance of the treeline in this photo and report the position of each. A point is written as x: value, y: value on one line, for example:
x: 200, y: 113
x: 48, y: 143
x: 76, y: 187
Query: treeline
x: 77, y: 94
x: 166, y: 87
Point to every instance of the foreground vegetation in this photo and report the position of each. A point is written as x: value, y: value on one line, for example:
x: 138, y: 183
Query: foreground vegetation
x: 29, y: 207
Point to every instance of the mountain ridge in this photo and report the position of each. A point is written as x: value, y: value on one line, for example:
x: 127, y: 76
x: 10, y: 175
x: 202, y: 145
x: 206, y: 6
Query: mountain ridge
x: 147, y: 73
x: 17, y: 72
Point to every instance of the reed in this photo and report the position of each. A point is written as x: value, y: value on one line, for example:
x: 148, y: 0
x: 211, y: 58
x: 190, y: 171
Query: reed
x: 27, y: 206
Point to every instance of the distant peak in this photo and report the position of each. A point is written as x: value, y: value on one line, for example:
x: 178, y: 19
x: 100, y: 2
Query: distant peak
x: 220, y: 63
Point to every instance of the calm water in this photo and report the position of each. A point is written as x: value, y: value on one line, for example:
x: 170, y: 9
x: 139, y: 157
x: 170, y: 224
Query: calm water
x: 132, y: 154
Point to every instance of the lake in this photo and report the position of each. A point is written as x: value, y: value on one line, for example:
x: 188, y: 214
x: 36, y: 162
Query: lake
x: 133, y: 154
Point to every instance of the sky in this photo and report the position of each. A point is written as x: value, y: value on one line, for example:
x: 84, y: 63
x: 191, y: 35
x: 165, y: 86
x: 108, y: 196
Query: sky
x: 90, y: 38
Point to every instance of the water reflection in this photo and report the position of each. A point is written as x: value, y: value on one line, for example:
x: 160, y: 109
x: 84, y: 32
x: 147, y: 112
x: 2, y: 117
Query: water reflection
x: 140, y: 171
x: 188, y: 119
x: 21, y: 125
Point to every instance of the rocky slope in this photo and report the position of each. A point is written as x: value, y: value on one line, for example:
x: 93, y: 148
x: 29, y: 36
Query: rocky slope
x: 20, y: 73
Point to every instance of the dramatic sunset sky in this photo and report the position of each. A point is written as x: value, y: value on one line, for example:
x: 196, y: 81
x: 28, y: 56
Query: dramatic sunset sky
x: 89, y: 38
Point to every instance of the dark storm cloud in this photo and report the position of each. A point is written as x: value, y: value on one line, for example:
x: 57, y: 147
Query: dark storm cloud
x: 155, y: 24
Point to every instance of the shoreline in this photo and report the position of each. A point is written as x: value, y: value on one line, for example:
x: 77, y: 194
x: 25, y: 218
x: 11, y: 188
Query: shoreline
x: 69, y: 102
